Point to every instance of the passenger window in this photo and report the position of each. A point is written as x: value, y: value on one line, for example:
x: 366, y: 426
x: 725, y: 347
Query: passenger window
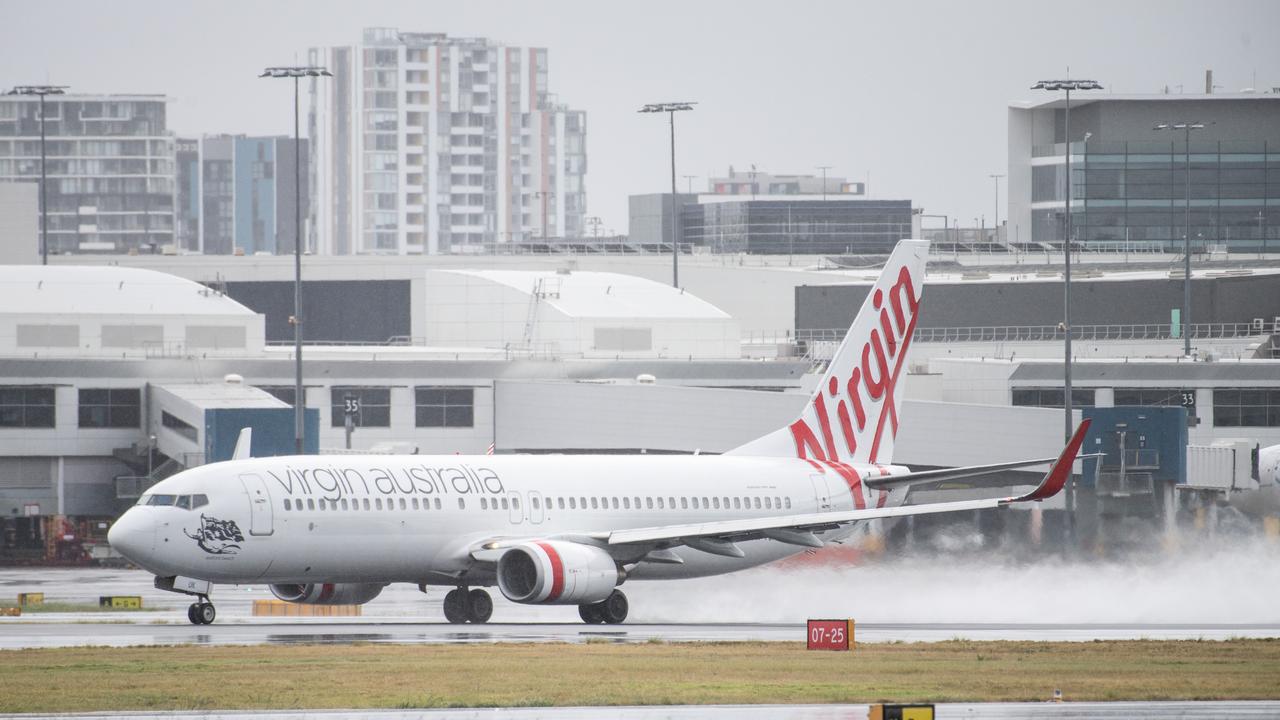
x: 756, y: 500
x: 660, y: 506
x: 684, y: 503
x: 716, y: 502
x: 788, y: 502
x: 737, y: 503
x: 320, y: 504
x: 377, y: 503
x: 462, y: 504
x: 505, y: 504
x: 415, y: 503
x: 311, y: 504
x: 595, y: 504
x: 637, y: 503
x: 626, y: 503
x: 695, y: 503
x: 484, y: 504
x: 705, y: 503
x: 515, y: 503
x: 403, y: 505
x: 615, y: 503
x: 366, y: 503
x: 560, y: 503
x: 184, y: 502
x: 437, y: 503
x: 391, y: 503
x: 582, y: 502
x: 648, y: 503
x: 536, y: 506
x: 768, y: 503
x: 288, y: 504
x: 726, y: 503
x: 573, y: 504
x: 344, y: 503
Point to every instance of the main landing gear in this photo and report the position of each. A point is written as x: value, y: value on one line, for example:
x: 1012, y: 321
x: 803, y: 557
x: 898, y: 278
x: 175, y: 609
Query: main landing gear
x: 463, y: 606
x: 202, y: 612
x: 610, y: 611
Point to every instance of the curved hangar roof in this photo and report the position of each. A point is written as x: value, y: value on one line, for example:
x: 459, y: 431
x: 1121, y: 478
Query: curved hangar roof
x: 602, y: 294
x: 57, y: 290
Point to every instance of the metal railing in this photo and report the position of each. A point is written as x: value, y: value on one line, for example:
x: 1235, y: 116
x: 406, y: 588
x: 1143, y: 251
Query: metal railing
x: 1036, y: 333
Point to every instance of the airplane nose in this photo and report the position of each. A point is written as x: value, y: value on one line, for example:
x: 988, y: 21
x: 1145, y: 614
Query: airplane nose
x: 128, y: 537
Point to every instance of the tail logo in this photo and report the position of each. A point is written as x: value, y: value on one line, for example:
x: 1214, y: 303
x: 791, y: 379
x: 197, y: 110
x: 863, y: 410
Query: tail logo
x: 869, y: 388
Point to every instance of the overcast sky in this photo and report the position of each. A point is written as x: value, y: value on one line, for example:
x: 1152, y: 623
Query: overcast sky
x: 912, y: 94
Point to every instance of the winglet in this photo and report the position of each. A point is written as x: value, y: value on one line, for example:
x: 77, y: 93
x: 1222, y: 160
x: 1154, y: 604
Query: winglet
x: 1057, y: 477
x: 243, y: 451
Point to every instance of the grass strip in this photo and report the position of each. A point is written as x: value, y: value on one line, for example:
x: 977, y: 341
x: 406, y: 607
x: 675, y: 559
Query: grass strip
x: 435, y: 676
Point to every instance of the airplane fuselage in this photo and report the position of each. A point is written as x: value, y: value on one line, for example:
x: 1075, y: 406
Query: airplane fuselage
x: 383, y: 519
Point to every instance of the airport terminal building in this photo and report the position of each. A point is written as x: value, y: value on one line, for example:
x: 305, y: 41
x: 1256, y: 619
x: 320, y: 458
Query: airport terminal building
x: 113, y: 377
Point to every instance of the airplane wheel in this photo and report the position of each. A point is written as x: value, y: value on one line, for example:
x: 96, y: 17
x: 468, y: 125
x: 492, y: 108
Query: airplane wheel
x: 206, y: 613
x: 479, y: 606
x: 191, y: 614
x: 614, y: 609
x: 591, y: 614
x: 455, y: 606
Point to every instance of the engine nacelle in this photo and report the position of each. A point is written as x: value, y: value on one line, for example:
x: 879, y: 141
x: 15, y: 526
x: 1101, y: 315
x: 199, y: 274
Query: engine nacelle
x: 550, y: 572
x: 327, y: 593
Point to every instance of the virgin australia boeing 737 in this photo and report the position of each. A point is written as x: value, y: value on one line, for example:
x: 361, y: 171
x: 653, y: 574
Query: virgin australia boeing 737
x: 560, y: 529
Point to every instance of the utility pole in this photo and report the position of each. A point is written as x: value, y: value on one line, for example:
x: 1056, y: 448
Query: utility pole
x: 671, y: 108
x: 1186, y: 128
x: 824, y: 169
x: 41, y: 91
x: 995, y: 222
x: 299, y: 393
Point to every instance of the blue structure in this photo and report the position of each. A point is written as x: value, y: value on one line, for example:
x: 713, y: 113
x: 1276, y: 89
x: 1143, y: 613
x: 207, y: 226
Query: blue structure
x: 1155, y: 441
x: 273, y: 431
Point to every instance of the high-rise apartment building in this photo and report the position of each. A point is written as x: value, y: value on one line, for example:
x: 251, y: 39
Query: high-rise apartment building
x: 110, y: 168
x: 425, y: 143
x: 237, y: 193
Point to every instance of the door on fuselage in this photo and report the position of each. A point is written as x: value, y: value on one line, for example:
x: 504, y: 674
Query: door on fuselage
x: 260, y: 517
x: 823, y: 492
x: 517, y: 512
x: 535, y: 507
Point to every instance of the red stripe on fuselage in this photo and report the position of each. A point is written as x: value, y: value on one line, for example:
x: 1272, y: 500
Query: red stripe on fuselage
x: 853, y: 480
x: 557, y: 571
x: 888, y: 407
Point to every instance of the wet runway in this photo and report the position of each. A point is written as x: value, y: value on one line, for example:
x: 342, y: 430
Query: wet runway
x: 402, y: 615
x: 170, y: 629
x: 949, y: 711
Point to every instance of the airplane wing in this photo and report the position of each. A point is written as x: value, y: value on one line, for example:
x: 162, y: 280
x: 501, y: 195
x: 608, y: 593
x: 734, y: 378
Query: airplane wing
x: 719, y: 537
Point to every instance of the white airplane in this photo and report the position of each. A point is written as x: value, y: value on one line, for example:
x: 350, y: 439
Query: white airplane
x: 560, y: 529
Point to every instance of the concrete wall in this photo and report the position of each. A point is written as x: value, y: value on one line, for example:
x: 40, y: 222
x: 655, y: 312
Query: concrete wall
x: 1093, y: 302
x: 333, y: 310
x: 19, y: 223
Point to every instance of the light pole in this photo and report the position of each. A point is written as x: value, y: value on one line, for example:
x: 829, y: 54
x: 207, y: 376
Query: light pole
x: 541, y: 196
x: 671, y: 108
x: 1186, y: 128
x: 41, y: 91
x: 995, y: 219
x: 299, y: 397
x: 824, y: 169
x: 1068, y: 86
x: 688, y: 183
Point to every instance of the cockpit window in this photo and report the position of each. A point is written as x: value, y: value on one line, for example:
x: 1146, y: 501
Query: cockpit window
x: 162, y: 500
x: 184, y: 502
x: 199, y: 501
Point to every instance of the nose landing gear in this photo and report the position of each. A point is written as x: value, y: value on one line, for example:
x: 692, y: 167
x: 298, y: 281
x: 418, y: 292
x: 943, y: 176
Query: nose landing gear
x: 463, y: 606
x: 202, y: 612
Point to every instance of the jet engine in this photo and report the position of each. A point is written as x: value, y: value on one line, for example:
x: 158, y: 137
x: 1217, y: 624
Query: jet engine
x: 550, y: 572
x: 327, y: 593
